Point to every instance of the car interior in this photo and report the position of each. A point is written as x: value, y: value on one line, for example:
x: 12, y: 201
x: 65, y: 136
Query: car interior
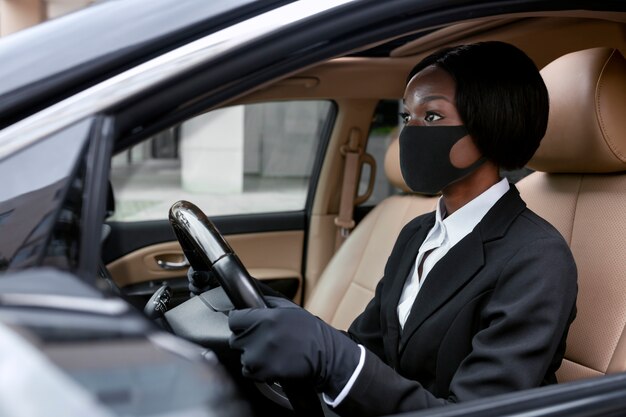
x: 578, y: 181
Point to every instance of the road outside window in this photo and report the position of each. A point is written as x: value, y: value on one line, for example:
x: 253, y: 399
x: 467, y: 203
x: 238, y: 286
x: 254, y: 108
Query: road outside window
x: 243, y: 159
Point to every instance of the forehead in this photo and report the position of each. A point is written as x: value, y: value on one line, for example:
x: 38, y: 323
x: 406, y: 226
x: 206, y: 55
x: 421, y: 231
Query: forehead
x: 431, y: 80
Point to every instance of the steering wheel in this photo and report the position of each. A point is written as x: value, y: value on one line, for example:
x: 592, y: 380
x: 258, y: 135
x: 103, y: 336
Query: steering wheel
x: 206, y: 249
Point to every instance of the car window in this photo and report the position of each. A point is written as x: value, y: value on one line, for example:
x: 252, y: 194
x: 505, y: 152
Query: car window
x: 252, y: 158
x: 386, y: 125
x: 41, y: 213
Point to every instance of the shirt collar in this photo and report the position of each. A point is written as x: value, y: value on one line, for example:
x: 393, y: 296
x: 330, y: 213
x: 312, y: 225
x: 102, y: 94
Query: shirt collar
x: 460, y: 223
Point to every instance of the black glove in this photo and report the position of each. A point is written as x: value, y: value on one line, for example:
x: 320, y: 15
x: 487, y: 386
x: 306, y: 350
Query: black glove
x: 200, y: 281
x: 286, y: 342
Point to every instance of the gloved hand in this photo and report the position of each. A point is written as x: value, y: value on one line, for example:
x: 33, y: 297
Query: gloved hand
x: 286, y: 342
x: 200, y: 281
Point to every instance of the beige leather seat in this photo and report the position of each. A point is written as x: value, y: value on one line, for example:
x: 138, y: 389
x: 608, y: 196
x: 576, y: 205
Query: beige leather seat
x: 581, y: 190
x: 349, y: 281
x: 580, y: 187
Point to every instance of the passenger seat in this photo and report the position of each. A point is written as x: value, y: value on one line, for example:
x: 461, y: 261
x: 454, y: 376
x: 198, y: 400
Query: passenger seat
x: 349, y: 281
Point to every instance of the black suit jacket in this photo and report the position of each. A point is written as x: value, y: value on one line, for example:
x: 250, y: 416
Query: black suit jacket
x: 491, y: 316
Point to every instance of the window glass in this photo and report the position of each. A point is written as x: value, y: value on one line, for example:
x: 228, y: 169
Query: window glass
x: 386, y: 125
x: 242, y: 159
x: 39, y: 210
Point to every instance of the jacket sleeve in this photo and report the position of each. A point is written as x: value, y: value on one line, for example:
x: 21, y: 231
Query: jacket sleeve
x: 524, y: 322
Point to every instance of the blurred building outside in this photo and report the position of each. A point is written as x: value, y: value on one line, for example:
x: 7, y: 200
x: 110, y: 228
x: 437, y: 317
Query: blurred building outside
x: 240, y: 159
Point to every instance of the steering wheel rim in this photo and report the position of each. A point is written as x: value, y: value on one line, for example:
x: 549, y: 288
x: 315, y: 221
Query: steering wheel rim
x: 206, y: 249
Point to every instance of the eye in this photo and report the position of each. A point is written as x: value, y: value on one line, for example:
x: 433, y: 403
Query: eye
x: 431, y: 116
x: 405, y: 117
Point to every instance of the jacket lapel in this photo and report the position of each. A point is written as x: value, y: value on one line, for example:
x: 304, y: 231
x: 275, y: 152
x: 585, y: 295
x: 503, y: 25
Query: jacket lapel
x: 402, y: 271
x: 461, y: 263
x: 447, y: 276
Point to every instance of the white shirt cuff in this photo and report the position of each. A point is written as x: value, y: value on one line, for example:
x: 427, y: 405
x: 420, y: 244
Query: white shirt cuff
x: 346, y: 389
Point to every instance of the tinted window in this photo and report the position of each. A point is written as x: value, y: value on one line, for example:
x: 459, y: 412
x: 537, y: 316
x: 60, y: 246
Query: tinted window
x: 30, y: 201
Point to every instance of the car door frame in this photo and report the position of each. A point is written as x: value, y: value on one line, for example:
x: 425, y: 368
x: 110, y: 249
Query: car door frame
x: 597, y: 397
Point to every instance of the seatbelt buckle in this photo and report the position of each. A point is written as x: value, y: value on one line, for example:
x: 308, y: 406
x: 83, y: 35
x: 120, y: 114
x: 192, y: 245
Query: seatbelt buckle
x: 345, y: 226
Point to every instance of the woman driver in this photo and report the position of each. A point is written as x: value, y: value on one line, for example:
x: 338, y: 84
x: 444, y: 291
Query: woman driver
x: 477, y: 297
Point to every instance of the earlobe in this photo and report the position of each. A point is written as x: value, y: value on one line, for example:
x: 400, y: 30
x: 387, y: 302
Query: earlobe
x: 464, y: 153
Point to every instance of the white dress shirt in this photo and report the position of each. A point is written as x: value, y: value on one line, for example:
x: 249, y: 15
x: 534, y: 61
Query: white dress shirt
x: 447, y: 232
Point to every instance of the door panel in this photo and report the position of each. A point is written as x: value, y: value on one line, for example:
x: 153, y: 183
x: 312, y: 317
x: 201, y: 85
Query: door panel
x: 127, y: 237
x: 273, y: 257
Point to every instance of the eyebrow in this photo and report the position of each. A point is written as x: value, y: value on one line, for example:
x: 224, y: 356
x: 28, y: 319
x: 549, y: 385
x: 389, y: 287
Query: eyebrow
x: 430, y: 98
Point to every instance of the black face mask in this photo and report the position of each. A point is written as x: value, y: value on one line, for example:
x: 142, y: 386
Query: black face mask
x: 425, y: 157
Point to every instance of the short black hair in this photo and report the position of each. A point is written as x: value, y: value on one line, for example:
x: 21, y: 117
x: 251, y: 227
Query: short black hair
x: 500, y: 97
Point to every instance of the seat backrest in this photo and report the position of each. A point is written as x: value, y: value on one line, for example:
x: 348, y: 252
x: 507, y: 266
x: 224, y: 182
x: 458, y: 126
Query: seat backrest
x: 349, y: 281
x: 580, y: 188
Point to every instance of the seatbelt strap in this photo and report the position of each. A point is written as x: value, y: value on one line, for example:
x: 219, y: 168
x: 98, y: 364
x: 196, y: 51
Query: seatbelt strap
x: 352, y: 152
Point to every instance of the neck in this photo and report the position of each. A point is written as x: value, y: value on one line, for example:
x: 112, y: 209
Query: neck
x: 461, y: 192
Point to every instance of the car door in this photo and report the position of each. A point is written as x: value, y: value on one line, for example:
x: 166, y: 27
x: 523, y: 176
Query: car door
x: 251, y: 168
x: 598, y: 397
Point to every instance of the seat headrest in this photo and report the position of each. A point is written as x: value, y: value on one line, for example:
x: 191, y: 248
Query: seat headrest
x: 587, y: 126
x: 392, y: 165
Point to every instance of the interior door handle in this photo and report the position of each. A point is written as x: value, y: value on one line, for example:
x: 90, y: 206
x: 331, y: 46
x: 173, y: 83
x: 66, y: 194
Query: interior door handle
x: 173, y: 266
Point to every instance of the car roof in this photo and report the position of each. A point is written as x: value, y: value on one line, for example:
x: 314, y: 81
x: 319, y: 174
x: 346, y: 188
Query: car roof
x: 54, y: 59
